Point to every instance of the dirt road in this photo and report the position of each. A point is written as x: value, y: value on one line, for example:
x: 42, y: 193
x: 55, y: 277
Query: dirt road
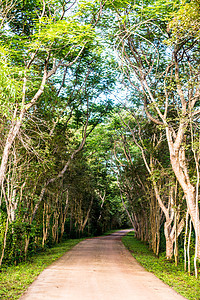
x: 99, y: 269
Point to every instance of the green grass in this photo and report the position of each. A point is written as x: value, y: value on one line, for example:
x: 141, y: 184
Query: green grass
x: 186, y: 285
x: 14, y: 280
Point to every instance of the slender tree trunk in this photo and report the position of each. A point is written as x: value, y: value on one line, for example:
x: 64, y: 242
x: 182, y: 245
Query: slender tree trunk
x: 46, y: 221
x: 64, y: 215
x: 176, y: 241
x: 27, y: 240
x: 9, y: 141
x: 185, y: 241
x: 188, y: 247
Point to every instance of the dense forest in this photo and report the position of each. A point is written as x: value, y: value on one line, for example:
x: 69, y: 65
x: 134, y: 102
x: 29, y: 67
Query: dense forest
x: 99, y: 109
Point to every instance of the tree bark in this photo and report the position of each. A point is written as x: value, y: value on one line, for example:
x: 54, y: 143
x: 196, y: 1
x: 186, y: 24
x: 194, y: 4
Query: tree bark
x: 179, y: 166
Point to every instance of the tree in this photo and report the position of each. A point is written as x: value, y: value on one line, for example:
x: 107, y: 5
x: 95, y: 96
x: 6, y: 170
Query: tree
x: 54, y: 86
x: 166, y: 80
x: 40, y: 55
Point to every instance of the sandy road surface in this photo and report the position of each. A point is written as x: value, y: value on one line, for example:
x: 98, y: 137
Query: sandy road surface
x: 98, y: 269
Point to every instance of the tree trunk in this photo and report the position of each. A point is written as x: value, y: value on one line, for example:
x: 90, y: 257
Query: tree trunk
x: 27, y: 239
x: 9, y: 141
x: 179, y: 165
x: 46, y: 221
x: 169, y: 248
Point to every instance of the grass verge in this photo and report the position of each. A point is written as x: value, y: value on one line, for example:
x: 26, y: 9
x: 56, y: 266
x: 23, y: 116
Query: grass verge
x: 186, y: 285
x: 14, y: 280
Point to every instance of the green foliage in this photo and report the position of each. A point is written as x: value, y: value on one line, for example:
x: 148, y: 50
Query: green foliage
x: 2, y: 228
x: 77, y: 101
x: 52, y: 130
x: 117, y: 4
x: 185, y: 23
x: 10, y: 83
x: 61, y: 33
x: 160, y: 10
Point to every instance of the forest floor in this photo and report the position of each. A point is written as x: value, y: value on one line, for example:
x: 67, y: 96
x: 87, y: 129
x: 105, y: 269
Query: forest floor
x: 99, y: 268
